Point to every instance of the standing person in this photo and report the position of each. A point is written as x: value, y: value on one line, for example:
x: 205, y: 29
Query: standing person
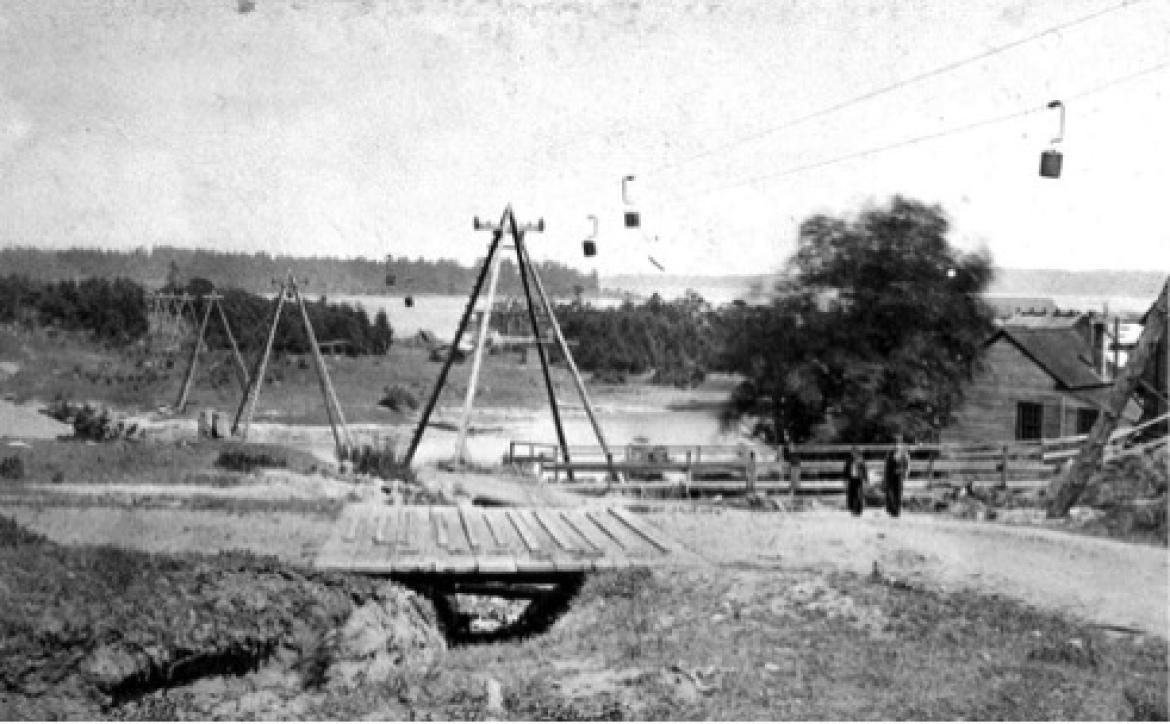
x: 897, y: 466
x: 855, y: 482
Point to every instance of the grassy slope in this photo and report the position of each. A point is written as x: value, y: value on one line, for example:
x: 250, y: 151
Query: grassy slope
x: 792, y: 645
x: 753, y: 645
x: 135, y: 378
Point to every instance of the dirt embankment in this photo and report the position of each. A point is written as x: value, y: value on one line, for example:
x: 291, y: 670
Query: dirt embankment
x: 102, y: 632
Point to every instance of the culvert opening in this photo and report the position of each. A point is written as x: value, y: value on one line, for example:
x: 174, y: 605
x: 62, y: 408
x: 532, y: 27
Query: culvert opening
x: 495, y: 612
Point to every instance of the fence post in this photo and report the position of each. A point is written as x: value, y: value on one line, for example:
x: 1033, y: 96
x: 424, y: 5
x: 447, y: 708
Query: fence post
x: 794, y: 471
x: 689, y: 475
x: 751, y: 472
x: 609, y: 465
x: 1003, y: 471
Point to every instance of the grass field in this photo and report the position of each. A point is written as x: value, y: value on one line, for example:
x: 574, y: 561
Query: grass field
x: 145, y: 461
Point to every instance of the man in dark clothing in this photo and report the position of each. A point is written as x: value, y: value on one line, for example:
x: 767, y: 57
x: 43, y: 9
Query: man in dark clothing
x: 854, y: 482
x: 897, y: 465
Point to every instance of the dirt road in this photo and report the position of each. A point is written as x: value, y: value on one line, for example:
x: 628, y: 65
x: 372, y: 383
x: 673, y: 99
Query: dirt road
x: 1099, y: 580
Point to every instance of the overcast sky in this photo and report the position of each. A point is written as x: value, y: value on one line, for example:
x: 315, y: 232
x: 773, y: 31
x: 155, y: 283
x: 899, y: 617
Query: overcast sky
x: 350, y: 127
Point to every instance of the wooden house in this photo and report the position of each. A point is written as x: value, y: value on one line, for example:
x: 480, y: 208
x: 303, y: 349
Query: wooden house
x: 1043, y: 378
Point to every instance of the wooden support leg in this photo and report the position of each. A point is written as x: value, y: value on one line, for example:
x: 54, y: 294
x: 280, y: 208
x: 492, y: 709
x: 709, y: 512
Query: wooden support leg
x: 247, y: 407
x: 572, y: 364
x: 189, y: 377
x: 477, y: 360
x: 332, y: 406
x: 426, y: 416
x: 518, y: 237
x: 241, y: 368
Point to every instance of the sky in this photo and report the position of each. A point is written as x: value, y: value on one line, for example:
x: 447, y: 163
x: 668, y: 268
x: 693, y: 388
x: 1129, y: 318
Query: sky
x: 375, y: 127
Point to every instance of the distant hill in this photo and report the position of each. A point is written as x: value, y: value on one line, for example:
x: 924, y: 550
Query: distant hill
x: 1070, y: 288
x: 156, y: 267
x: 1054, y: 282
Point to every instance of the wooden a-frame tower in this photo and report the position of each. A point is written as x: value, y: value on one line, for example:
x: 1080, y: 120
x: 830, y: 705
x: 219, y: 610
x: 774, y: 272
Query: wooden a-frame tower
x: 210, y: 301
x: 290, y: 293
x: 530, y: 281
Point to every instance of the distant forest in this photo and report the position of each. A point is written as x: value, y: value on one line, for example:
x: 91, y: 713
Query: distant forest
x: 164, y: 265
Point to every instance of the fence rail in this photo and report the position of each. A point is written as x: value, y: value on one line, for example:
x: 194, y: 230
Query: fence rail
x: 812, y: 468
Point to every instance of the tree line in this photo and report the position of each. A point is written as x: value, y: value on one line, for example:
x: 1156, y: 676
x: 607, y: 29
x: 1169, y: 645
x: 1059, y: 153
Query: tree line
x: 166, y: 265
x: 115, y: 311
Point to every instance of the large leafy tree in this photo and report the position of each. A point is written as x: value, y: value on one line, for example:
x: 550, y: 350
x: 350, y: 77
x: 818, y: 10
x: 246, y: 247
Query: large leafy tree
x: 877, y: 325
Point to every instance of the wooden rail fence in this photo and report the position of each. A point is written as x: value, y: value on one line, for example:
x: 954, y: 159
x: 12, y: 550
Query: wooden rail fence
x: 812, y: 468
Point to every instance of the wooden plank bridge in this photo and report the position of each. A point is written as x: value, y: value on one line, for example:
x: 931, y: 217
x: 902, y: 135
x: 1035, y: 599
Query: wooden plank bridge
x: 490, y: 543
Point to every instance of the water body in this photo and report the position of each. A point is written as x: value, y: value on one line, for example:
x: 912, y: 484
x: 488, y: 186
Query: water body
x: 437, y: 313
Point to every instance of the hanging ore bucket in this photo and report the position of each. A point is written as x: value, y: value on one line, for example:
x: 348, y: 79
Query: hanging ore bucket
x: 632, y: 218
x: 1050, y: 162
x: 589, y: 246
x: 1052, y: 159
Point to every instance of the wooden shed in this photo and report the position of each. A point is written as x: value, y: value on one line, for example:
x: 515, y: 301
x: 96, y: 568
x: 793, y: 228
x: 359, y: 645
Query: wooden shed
x: 1038, y: 381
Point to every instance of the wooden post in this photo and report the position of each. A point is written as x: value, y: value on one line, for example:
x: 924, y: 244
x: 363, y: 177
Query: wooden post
x: 518, y: 239
x: 1003, y: 468
x: 751, y: 472
x: 794, y: 470
x: 476, y: 361
x: 434, y: 398
x: 332, y: 406
x: 189, y: 377
x: 227, y: 328
x: 252, y: 394
x: 572, y: 364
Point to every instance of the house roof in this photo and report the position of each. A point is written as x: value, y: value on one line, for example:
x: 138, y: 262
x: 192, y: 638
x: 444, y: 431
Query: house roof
x: 1062, y: 352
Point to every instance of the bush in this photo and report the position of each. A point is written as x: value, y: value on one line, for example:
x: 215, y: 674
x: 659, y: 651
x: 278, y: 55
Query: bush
x: 91, y: 423
x: 12, y: 468
x: 610, y: 377
x: 247, y: 461
x: 380, y: 462
x: 398, y: 399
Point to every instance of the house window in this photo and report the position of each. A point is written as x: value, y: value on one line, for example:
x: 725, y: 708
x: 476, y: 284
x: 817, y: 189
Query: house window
x: 1085, y: 420
x: 1029, y: 420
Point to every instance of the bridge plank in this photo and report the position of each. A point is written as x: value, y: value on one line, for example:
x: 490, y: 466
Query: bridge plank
x: 635, y: 548
x: 459, y: 558
x: 410, y: 542
x: 607, y: 554
x: 490, y: 557
x: 467, y: 539
x: 642, y: 528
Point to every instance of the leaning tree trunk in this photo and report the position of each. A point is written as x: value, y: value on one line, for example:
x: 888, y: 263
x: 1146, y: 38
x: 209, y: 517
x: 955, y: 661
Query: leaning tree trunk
x: 1092, y: 454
